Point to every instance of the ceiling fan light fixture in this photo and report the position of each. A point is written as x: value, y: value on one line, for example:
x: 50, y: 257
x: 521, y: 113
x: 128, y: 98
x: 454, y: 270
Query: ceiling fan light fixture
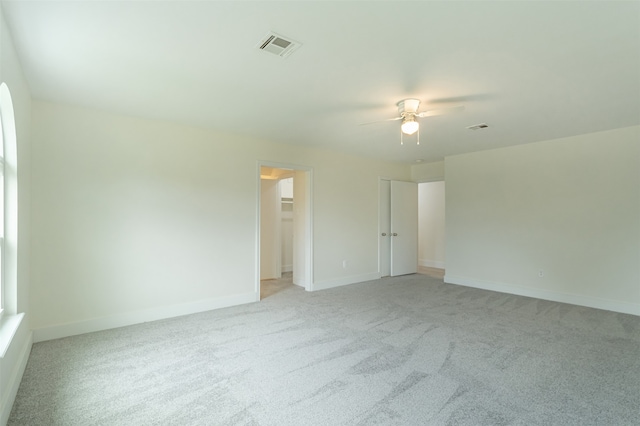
x: 409, y: 126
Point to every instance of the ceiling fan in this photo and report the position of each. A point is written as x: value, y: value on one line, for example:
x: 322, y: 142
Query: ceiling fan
x: 408, y: 113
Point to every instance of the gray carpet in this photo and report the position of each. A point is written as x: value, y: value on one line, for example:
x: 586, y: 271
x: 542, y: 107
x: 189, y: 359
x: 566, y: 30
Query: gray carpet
x: 397, y: 351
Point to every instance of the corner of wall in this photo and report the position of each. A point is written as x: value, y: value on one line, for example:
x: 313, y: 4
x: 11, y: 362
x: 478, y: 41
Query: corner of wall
x: 427, y: 172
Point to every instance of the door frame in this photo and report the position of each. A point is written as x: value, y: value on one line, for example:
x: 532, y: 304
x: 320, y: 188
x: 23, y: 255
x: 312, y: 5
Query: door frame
x: 308, y: 219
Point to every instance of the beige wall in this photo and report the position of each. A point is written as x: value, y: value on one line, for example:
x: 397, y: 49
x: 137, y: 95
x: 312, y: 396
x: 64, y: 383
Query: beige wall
x: 137, y: 219
x: 567, y: 207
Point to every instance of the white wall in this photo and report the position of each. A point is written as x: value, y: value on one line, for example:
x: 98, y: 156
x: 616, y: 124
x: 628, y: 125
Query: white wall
x: 138, y: 219
x: 302, y: 267
x: 13, y: 362
x: 431, y: 224
x: 428, y: 172
x: 568, y: 207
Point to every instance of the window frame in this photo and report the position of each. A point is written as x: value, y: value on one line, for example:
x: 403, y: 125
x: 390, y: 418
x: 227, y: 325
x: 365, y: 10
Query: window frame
x: 3, y: 203
x: 9, y: 304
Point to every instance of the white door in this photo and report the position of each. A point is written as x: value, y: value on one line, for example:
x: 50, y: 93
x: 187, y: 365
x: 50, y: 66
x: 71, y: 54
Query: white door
x: 384, y: 230
x: 270, y: 234
x: 404, y: 228
x: 398, y: 228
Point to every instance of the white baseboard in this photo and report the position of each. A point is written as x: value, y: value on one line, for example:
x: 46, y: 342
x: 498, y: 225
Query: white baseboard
x: 137, y: 317
x: 287, y: 268
x: 427, y: 263
x: 573, y: 299
x: 10, y: 392
x: 352, y: 279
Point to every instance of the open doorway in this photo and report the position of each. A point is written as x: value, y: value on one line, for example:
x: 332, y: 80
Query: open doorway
x: 284, y: 228
x: 431, y: 229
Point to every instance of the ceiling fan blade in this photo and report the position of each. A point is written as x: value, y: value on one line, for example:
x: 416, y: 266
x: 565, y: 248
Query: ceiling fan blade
x: 380, y: 121
x: 442, y: 111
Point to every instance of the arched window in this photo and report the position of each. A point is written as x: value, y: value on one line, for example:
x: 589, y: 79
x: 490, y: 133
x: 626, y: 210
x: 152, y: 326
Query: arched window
x: 2, y: 204
x: 8, y: 203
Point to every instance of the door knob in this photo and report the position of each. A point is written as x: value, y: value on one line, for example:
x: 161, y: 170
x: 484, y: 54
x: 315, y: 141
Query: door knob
x: 394, y: 235
x: 384, y: 234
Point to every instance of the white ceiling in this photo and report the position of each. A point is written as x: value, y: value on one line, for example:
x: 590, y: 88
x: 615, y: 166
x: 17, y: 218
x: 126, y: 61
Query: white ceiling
x: 531, y: 70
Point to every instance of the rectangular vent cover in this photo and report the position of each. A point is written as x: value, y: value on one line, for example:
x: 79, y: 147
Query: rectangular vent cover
x: 278, y: 45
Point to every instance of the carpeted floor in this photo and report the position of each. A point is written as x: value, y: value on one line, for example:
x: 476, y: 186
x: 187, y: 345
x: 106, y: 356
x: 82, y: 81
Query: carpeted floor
x: 397, y: 351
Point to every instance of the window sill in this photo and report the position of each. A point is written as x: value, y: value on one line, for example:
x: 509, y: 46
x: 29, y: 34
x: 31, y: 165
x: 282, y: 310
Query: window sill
x: 8, y: 326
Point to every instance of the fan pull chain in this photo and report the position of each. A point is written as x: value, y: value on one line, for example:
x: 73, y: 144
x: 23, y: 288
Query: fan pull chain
x: 402, y: 137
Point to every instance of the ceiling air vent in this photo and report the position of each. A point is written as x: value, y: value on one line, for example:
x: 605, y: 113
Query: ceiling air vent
x: 278, y: 45
x: 478, y: 126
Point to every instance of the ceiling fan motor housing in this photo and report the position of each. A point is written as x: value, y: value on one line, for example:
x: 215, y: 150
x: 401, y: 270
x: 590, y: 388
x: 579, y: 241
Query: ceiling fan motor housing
x: 408, y: 106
